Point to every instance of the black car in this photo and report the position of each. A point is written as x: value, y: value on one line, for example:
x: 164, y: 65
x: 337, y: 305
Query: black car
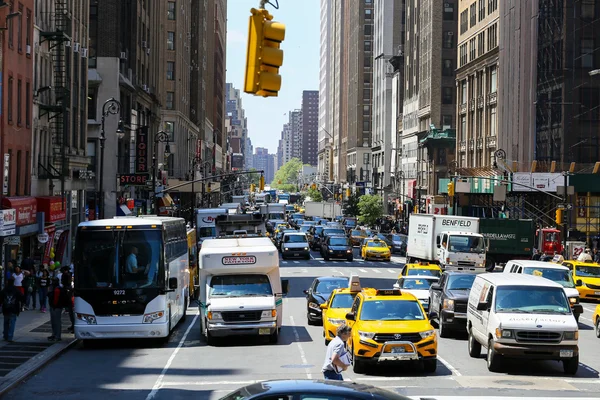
x: 399, y: 243
x: 449, y: 298
x: 336, y: 247
x: 319, y: 293
x: 311, y: 389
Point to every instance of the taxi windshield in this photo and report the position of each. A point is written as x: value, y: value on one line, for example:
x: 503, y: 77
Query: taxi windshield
x: 376, y: 244
x: 343, y: 300
x: 587, y: 271
x: 524, y: 299
x: 561, y: 276
x: 424, y: 272
x: 391, y: 310
x: 415, y: 283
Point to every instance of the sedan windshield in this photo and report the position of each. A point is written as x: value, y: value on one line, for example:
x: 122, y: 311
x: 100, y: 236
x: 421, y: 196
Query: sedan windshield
x: 562, y: 276
x: 525, y: 299
x: 466, y: 244
x: 460, y: 282
x: 328, y: 286
x: 240, y: 286
x: 343, y: 300
x: 415, y: 283
x: 391, y: 310
x: 588, y: 271
x: 338, y: 241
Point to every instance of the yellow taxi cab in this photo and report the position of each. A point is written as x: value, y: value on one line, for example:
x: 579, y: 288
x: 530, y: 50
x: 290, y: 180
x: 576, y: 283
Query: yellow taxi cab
x: 586, y: 276
x: 596, y: 320
x: 389, y: 325
x: 337, y: 306
x: 375, y: 249
x: 422, y: 269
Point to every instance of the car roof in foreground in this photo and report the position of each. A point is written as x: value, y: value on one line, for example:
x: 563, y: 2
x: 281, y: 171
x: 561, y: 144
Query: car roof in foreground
x: 338, y: 388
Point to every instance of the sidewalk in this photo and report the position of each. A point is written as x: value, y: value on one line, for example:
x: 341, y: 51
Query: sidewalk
x: 31, y: 349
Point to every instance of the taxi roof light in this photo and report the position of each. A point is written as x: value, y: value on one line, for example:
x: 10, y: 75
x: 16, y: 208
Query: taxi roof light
x: 388, y: 292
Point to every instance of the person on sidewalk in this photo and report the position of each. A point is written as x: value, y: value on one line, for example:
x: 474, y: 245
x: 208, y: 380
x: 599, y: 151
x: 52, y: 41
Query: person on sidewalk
x: 11, y: 300
x: 43, y: 282
x: 58, y: 300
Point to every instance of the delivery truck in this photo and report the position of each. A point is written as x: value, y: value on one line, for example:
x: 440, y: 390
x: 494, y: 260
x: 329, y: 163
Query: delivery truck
x: 453, y: 242
x: 323, y: 209
x: 509, y: 239
x: 241, y: 291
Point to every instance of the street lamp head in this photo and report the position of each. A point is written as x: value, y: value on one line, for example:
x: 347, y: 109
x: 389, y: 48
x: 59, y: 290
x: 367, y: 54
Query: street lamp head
x: 120, y: 130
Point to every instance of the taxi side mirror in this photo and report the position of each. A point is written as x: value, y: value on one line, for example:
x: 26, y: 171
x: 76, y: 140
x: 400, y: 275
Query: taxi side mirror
x: 579, y: 282
x: 324, y: 306
x: 351, y: 317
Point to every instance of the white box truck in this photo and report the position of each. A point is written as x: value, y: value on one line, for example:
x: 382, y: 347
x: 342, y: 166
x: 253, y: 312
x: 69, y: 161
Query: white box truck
x: 241, y: 291
x: 450, y: 241
x: 323, y: 209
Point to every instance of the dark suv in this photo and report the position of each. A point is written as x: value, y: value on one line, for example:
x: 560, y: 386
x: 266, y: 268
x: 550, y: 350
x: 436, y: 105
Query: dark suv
x: 336, y: 247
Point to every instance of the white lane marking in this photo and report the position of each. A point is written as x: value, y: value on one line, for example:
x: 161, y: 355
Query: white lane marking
x: 450, y: 367
x: 300, y: 349
x: 159, y: 380
x: 376, y: 271
x: 362, y: 270
x: 392, y: 271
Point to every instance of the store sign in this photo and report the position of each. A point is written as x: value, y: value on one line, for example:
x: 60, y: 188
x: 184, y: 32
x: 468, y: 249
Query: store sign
x: 134, y: 179
x: 141, y: 150
x: 55, y: 208
x: 8, y: 222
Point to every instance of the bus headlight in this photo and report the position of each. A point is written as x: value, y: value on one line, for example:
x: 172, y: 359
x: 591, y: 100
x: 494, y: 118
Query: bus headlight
x: 89, y: 319
x: 151, y: 317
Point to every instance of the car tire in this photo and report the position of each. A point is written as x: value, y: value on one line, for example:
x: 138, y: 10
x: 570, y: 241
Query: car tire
x: 430, y: 366
x: 474, y: 346
x: 494, y: 360
x: 443, y: 332
x: 358, y: 366
x: 571, y: 365
x: 598, y: 327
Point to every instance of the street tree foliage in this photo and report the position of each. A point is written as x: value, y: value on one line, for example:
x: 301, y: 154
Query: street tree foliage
x: 288, y: 176
x: 351, y: 205
x: 370, y: 208
x: 314, y: 194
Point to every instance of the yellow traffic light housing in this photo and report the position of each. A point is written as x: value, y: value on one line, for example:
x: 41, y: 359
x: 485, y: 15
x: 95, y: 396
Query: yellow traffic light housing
x: 451, y: 189
x: 261, y: 183
x: 263, y: 56
x: 559, y: 217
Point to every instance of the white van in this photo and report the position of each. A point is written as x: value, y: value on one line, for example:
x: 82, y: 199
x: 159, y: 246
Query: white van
x: 521, y: 316
x: 555, y: 272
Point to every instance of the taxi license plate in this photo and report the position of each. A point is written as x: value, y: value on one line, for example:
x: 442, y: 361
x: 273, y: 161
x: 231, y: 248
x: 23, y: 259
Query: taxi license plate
x: 566, y: 353
x: 398, y: 350
x: 264, y: 331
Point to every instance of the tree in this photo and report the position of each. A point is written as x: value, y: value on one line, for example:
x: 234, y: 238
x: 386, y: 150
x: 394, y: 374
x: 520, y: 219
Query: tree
x: 351, y: 206
x: 371, y: 208
x: 286, y: 177
x: 314, y: 194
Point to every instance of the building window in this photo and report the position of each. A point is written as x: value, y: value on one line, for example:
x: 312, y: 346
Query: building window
x: 492, y: 6
x: 493, y: 79
x: 20, y: 29
x: 447, y: 95
x: 9, y: 106
x: 587, y: 53
x: 170, y: 70
x: 27, y: 105
x: 463, y: 92
x: 448, y: 40
x: 492, y: 37
x: 448, y: 11
x: 170, y: 98
x: 472, y: 53
x: 473, y: 14
x: 588, y: 11
x: 19, y: 94
x: 481, y: 44
x: 447, y: 69
x: 170, y: 40
x: 368, y: 45
x: 464, y: 21
x: 171, y: 10
x: 29, y: 31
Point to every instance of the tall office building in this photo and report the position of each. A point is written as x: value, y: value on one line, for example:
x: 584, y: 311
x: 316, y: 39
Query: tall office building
x: 310, y: 126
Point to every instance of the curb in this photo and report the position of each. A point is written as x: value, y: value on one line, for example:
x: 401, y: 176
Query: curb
x: 32, y: 366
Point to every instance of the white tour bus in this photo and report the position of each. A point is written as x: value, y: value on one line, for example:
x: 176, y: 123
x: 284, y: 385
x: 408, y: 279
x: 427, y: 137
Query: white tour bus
x: 131, y: 277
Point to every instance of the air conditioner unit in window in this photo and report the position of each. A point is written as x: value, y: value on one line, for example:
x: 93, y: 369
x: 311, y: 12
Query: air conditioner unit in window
x: 76, y: 47
x: 123, y: 55
x: 28, y: 49
x: 84, y: 53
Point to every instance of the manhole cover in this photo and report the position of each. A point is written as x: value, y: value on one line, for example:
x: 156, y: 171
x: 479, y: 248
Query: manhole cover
x: 297, y: 366
x: 514, y: 383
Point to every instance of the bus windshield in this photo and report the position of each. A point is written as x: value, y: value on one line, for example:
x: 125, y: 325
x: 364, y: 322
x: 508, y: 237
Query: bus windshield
x: 118, y: 259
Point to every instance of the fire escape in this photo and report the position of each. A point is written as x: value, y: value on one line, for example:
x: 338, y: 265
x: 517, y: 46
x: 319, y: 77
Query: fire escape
x: 57, y: 105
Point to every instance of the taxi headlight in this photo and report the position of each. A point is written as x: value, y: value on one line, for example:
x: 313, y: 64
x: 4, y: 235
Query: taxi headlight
x: 366, y: 335
x: 504, y: 333
x: 426, y: 334
x: 574, y: 335
x: 335, y: 321
x: 214, y: 315
x: 448, y: 304
x: 89, y: 319
x: 151, y: 317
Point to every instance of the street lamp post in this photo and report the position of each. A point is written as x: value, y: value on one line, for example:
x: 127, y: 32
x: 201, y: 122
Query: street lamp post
x: 111, y: 106
x: 161, y: 137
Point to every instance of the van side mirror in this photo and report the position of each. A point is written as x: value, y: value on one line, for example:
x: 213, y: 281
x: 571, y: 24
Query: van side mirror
x: 579, y: 282
x: 285, y: 286
x: 483, y: 306
x: 172, y: 283
x: 350, y: 316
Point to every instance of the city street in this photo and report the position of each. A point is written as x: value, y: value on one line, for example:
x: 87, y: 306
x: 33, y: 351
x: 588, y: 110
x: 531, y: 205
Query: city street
x: 188, y: 368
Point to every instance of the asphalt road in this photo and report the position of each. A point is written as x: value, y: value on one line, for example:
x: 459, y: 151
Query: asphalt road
x: 186, y: 368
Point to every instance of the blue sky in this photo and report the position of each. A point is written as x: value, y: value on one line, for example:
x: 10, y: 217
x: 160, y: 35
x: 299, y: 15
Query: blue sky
x: 300, y: 70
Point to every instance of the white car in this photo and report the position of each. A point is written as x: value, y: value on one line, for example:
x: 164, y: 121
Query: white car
x: 418, y: 286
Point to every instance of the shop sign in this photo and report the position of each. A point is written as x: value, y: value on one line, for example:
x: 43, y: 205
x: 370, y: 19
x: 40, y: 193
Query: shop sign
x: 134, y: 179
x: 141, y: 150
x: 53, y: 207
x: 8, y: 222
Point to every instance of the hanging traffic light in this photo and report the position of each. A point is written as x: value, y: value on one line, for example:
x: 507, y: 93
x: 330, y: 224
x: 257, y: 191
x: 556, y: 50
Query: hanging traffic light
x: 559, y: 217
x: 263, y: 56
x: 261, y: 183
x: 451, y: 189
